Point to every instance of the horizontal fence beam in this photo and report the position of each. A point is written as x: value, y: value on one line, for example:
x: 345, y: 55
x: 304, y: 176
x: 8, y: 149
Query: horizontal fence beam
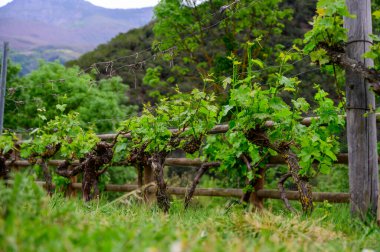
x: 221, y: 192
x: 186, y: 162
x: 223, y: 128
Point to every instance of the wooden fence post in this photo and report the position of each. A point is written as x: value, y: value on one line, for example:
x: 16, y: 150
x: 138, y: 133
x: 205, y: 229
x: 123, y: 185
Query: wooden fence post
x: 148, y: 178
x: 378, y: 210
x: 71, y: 192
x: 3, y: 81
x: 256, y: 201
x: 361, y: 119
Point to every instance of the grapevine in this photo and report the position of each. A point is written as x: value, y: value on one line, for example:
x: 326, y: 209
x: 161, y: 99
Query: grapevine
x: 61, y: 136
x: 178, y: 122
x: 306, y: 150
x: 7, y: 146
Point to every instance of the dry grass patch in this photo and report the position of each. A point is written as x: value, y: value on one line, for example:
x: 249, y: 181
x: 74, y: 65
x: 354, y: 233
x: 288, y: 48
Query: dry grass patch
x: 289, y: 232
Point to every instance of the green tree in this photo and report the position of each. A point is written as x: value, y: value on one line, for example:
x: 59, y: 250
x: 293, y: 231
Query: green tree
x: 199, y: 32
x: 101, y: 104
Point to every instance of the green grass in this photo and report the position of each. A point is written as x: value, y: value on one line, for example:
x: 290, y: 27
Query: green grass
x: 30, y: 221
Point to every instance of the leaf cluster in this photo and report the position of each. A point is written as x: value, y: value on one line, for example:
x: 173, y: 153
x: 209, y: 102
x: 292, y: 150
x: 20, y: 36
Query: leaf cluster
x: 61, y: 136
x: 374, y: 52
x: 252, y: 106
x: 174, y: 120
x: 318, y: 144
x: 328, y: 25
x: 7, y: 142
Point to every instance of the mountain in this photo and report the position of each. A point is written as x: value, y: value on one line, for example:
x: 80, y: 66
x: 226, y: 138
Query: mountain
x: 62, y: 29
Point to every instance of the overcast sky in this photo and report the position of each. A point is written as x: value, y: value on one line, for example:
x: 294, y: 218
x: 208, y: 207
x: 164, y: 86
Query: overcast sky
x: 123, y: 4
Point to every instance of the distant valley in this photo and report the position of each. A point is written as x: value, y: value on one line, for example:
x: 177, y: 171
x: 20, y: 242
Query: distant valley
x: 62, y: 29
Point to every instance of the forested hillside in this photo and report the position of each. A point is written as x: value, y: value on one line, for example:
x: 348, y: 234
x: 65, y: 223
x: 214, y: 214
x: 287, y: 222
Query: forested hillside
x: 136, y: 45
x: 165, y: 57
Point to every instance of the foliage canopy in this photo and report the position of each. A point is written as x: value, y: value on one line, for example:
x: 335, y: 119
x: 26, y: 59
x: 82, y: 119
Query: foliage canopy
x: 99, y: 103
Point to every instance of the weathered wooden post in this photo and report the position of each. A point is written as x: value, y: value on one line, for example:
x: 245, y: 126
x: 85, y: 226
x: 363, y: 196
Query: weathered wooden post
x: 150, y: 197
x: 3, y: 81
x: 378, y: 210
x: 256, y: 201
x: 361, y: 118
x: 71, y: 191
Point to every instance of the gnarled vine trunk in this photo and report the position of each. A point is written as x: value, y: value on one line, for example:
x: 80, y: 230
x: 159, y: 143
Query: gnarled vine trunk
x: 303, y: 186
x: 90, y: 179
x: 256, y: 184
x: 90, y: 165
x: 258, y: 136
x: 201, y: 171
x: 3, y: 168
x: 157, y: 162
x: 47, y: 177
x: 140, y: 160
x: 101, y: 156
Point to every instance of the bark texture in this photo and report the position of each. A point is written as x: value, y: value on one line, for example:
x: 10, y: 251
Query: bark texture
x: 259, y: 137
x: 157, y: 162
x: 92, y: 166
x: 4, y: 170
x: 47, y: 176
x: 201, y: 171
x: 361, y: 121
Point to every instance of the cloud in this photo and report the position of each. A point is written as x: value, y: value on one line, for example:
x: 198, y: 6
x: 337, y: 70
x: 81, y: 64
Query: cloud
x: 114, y: 4
x: 4, y: 2
x: 123, y: 4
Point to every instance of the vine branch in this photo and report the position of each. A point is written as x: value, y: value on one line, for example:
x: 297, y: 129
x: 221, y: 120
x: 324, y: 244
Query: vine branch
x: 340, y: 57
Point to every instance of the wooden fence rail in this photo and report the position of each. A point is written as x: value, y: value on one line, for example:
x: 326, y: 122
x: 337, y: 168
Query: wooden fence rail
x: 223, y: 128
x: 185, y: 162
x: 331, y: 197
